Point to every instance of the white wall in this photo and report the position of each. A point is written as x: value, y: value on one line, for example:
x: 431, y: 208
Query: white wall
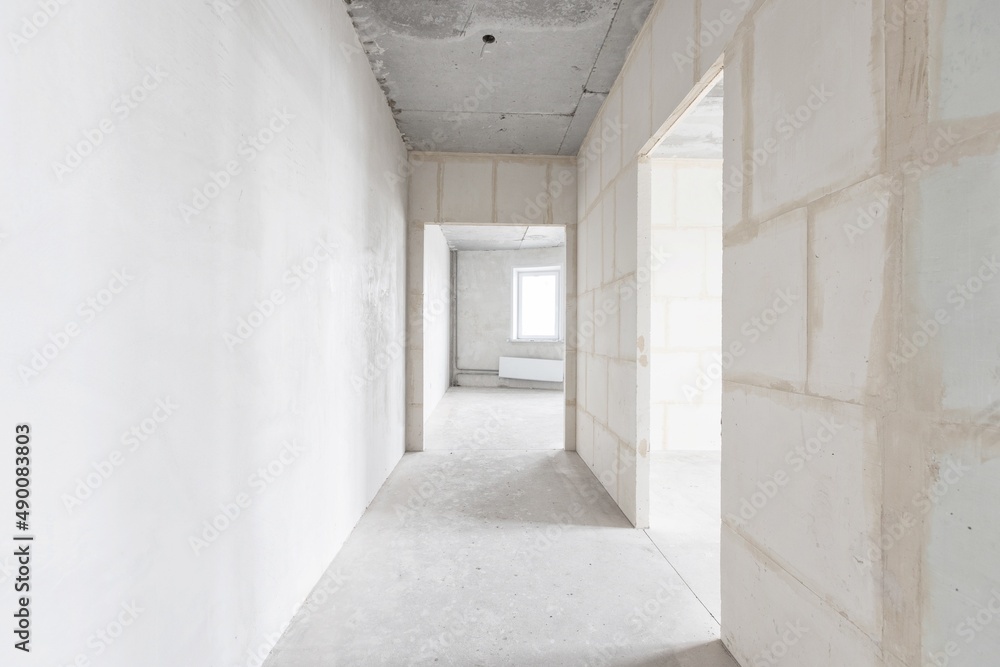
x: 485, y: 189
x: 685, y: 364
x: 436, y: 318
x: 485, y: 294
x: 305, y: 243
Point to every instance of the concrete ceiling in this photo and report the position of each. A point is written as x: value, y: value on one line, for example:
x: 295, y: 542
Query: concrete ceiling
x: 699, y: 132
x: 502, y: 237
x: 536, y: 89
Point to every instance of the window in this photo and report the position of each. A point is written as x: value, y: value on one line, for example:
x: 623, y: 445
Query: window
x: 536, y: 304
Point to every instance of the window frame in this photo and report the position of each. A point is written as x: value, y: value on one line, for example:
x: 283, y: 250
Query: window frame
x: 518, y: 274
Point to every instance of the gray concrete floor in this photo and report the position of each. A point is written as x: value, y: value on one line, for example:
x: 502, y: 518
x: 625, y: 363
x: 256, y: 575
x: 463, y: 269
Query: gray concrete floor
x: 685, y: 518
x: 470, y: 418
x: 499, y: 558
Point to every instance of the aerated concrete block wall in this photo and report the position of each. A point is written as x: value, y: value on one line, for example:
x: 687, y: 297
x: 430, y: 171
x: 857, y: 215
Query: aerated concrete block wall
x: 202, y: 273
x: 685, y: 363
x: 859, y: 317
x: 479, y: 189
x: 436, y: 360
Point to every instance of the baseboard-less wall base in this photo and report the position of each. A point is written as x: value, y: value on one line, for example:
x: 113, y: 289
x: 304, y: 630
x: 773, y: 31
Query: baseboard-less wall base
x: 494, y: 381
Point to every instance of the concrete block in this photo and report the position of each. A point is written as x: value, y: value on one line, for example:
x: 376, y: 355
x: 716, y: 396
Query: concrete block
x: 719, y: 21
x: 964, y: 74
x: 713, y: 262
x: 658, y: 323
x: 518, y: 186
x: 628, y: 481
x: 694, y: 428
x: 683, y: 272
x: 582, y: 250
x: 611, y: 118
x: 621, y: 400
x: 606, y: 315
x: 467, y: 191
x: 657, y: 431
x: 581, y: 188
x: 663, y: 188
x: 699, y: 202
x: 585, y: 437
x: 816, y: 115
x: 594, y: 242
x: 802, y: 480
x: 593, y: 160
x: 587, y: 327
x: 671, y: 372
x: 636, y: 103
x: 779, y: 617
x: 626, y: 221
x: 423, y: 188
x: 764, y: 310
x: 846, y: 282
x: 608, y: 237
x: 581, y: 378
x: 694, y: 323
x: 673, y: 51
x: 606, y: 459
x: 597, y: 387
x: 627, y: 323
x: 733, y: 172
x: 563, y: 188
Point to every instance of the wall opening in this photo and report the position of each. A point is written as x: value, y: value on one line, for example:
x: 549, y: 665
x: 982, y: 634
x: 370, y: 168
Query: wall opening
x: 504, y: 335
x: 686, y: 181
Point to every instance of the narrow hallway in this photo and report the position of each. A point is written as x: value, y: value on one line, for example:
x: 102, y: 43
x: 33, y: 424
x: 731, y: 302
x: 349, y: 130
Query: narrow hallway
x: 490, y: 557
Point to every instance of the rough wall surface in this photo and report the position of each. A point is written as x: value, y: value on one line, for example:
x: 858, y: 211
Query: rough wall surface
x: 686, y: 305
x: 485, y: 294
x: 202, y: 274
x: 437, y: 318
x: 859, y: 314
x: 485, y: 190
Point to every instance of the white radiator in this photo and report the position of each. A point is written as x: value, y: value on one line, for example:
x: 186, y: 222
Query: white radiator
x: 520, y: 368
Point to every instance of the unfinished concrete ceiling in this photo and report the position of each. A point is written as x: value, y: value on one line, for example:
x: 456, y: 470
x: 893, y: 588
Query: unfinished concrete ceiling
x: 508, y: 76
x: 502, y: 237
x: 698, y: 135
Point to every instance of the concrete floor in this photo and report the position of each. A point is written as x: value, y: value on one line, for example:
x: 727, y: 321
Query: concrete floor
x: 685, y: 518
x: 469, y: 418
x: 499, y: 558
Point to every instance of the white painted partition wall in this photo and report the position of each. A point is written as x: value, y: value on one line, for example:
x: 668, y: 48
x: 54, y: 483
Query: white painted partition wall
x: 860, y: 199
x: 241, y: 231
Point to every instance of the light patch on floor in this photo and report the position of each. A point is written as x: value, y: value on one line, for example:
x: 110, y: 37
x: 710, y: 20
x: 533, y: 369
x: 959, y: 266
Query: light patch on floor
x: 499, y: 558
x: 685, y: 518
x: 473, y: 418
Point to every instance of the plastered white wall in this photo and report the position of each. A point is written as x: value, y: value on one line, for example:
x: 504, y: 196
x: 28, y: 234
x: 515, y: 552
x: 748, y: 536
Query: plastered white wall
x: 484, y: 308
x: 229, y: 357
x: 486, y: 189
x: 685, y: 363
x: 436, y: 318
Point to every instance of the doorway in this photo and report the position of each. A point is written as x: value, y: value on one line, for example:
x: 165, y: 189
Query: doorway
x: 686, y: 193
x: 494, y: 358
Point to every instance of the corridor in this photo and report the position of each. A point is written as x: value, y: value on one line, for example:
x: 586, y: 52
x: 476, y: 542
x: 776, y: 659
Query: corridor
x: 499, y: 558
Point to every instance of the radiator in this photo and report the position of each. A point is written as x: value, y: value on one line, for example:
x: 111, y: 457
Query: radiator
x: 520, y: 368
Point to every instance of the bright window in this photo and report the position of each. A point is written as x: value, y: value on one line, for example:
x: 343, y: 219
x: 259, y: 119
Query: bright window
x: 536, y: 304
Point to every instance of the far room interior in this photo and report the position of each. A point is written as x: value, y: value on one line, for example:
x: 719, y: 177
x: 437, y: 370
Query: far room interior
x: 494, y: 332
x: 686, y: 179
